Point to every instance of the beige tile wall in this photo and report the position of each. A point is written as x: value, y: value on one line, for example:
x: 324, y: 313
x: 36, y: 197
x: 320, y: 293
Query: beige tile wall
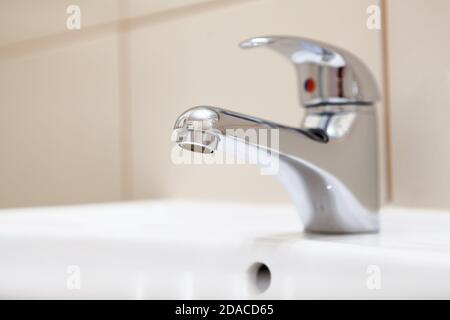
x: 64, y: 100
x: 87, y: 116
x: 64, y: 108
x: 59, y: 125
x: 419, y: 61
x: 25, y: 20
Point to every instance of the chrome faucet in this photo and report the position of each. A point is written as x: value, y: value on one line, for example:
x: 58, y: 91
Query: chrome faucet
x: 328, y: 165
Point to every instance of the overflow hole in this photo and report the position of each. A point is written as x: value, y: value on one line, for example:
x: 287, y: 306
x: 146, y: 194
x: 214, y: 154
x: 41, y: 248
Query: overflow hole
x: 260, y: 277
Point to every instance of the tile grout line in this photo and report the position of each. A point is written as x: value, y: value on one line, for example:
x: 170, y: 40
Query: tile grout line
x: 125, y: 107
x: 54, y: 40
x: 386, y: 89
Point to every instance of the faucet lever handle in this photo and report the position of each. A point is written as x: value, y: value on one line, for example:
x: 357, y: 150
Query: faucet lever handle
x: 326, y: 75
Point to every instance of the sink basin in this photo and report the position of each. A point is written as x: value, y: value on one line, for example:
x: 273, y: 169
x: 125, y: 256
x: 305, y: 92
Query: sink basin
x: 178, y: 249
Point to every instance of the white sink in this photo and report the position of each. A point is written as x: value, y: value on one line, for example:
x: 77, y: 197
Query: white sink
x: 183, y: 250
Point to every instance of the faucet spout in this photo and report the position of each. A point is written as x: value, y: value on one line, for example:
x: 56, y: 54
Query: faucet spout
x: 326, y: 166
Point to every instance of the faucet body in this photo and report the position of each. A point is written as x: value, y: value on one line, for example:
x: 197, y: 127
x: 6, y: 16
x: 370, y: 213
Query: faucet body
x: 328, y: 165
